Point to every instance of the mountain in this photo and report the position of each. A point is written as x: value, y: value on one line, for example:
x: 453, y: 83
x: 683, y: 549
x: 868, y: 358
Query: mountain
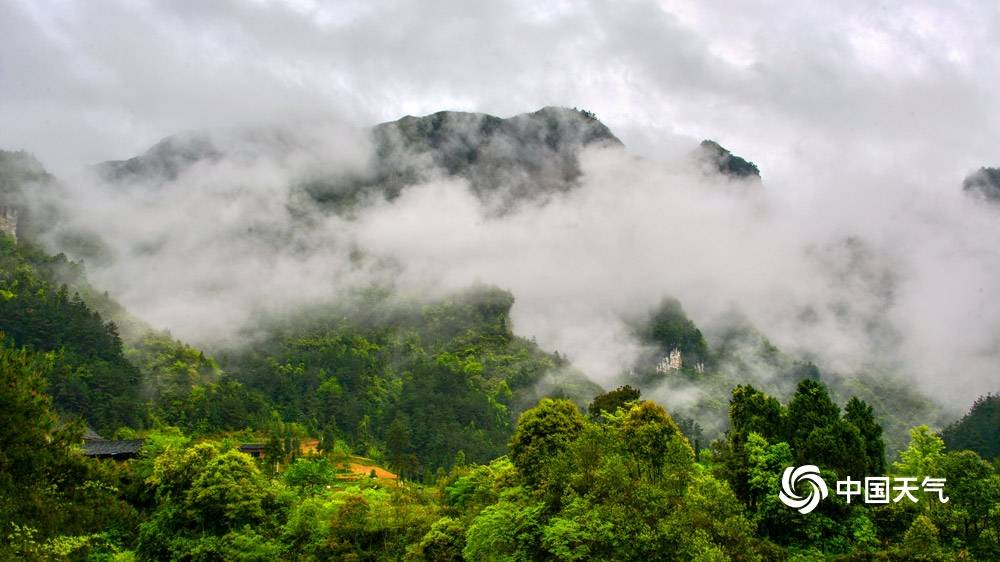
x: 450, y: 372
x: 979, y: 430
x: 165, y: 160
x: 504, y: 160
x: 91, y: 376
x: 984, y: 183
x: 527, y: 157
x: 511, y: 158
x: 21, y: 172
x: 725, y: 162
x: 492, y: 459
x: 450, y: 375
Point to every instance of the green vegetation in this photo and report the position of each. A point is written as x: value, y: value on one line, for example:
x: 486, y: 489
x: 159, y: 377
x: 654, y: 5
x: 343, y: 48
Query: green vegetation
x: 726, y: 162
x: 51, y: 498
x: 481, y: 464
x: 91, y: 376
x: 414, y: 384
x: 619, y: 485
x: 765, y: 437
x: 98, y: 377
x: 979, y: 430
x: 611, y: 401
x: 741, y: 354
x: 668, y: 327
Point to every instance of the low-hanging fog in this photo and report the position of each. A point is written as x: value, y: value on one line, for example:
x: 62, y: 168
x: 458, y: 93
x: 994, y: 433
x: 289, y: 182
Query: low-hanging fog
x: 886, y: 274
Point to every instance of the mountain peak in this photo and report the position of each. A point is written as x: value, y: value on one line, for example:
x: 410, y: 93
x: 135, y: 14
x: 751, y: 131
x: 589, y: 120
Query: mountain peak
x: 555, y: 126
x: 504, y: 160
x: 727, y: 163
x: 984, y: 183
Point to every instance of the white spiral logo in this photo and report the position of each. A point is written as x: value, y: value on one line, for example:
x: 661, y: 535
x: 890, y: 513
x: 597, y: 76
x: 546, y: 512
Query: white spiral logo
x: 791, y: 477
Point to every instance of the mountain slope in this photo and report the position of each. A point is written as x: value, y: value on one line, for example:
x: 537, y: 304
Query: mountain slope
x: 90, y: 376
x: 504, y: 160
x: 978, y: 430
x: 514, y: 158
x: 726, y: 163
x: 416, y: 383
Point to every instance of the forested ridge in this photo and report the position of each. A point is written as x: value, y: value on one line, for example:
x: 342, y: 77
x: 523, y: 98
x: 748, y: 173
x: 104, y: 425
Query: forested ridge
x: 384, y: 425
x: 443, y: 395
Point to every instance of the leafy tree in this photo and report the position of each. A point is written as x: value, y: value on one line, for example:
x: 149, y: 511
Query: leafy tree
x: 624, y: 488
x: 612, y: 400
x: 923, y: 456
x: 506, y: 531
x: 692, y: 430
x: 971, y: 515
x: 837, y: 446
x: 654, y: 441
x: 26, y: 412
x: 750, y: 410
x: 229, y: 493
x: 204, y: 498
x: 274, y: 450
x: 921, y: 541
x: 765, y: 464
x: 309, y: 475
x: 541, y: 434
x: 444, y: 542
x: 861, y: 415
x: 399, y: 446
x: 810, y: 408
x: 473, y: 488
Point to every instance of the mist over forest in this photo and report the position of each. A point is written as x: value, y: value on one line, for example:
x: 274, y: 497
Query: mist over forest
x: 209, y: 229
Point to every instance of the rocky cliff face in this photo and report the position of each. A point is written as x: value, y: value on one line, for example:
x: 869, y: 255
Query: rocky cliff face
x: 8, y: 221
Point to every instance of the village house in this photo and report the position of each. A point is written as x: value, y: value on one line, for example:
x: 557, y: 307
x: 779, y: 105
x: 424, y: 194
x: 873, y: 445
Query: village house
x: 98, y: 447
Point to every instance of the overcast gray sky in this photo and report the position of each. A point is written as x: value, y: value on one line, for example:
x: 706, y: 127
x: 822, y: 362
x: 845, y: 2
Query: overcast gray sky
x: 854, y: 85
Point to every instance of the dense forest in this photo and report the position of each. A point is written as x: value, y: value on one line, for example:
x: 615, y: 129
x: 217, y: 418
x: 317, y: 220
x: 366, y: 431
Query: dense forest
x: 418, y: 431
x: 446, y: 281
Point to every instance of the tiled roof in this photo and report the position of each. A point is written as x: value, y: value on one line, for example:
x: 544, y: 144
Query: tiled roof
x: 110, y: 448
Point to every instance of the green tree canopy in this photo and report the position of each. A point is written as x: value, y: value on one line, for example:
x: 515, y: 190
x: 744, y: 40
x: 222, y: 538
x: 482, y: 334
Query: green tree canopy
x: 541, y: 434
x: 612, y: 400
